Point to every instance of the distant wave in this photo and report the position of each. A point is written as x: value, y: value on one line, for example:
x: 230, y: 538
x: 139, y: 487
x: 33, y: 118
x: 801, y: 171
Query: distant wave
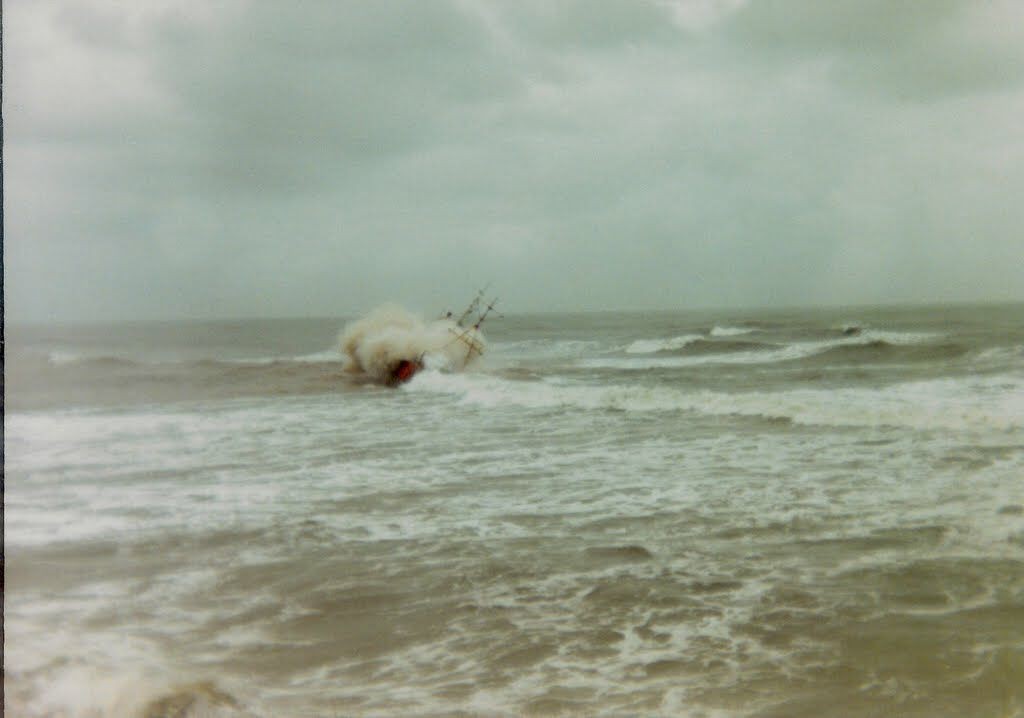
x: 895, y: 337
x: 720, y: 346
x: 672, y: 344
x: 765, y: 354
x: 71, y: 362
x: 60, y: 358
x: 71, y: 359
x: 880, y: 350
x: 322, y: 357
x: 694, y: 344
x: 998, y: 355
x: 697, y: 350
x: 653, y: 346
x: 850, y: 329
x: 548, y: 348
x: 729, y: 331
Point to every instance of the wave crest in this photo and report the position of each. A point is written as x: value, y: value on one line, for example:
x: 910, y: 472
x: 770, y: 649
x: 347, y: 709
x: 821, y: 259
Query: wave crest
x: 990, y: 403
x: 718, y: 331
x: 882, y: 350
x: 653, y: 346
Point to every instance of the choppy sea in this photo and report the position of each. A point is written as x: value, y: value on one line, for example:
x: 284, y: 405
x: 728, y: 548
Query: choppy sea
x: 790, y: 513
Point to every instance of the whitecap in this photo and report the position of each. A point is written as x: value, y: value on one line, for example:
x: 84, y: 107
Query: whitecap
x: 972, y: 403
x: 729, y: 331
x: 652, y: 346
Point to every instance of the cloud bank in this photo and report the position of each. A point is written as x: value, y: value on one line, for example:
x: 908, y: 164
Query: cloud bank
x: 172, y: 159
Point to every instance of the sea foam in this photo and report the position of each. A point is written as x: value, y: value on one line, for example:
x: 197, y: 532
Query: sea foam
x: 372, y: 345
x: 980, y: 403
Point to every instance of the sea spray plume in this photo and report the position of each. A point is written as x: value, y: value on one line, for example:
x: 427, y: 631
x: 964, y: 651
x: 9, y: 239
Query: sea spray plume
x: 389, y: 334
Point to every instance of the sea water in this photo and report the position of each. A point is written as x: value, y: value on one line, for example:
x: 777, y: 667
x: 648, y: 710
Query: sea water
x: 789, y: 513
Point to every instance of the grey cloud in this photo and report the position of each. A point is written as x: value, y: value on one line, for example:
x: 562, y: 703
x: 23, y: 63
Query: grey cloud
x: 318, y: 158
x: 369, y: 81
x: 913, y: 50
x: 845, y: 25
x: 584, y: 25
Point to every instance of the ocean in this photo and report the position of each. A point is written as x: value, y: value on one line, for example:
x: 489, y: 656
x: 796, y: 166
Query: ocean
x: 771, y: 513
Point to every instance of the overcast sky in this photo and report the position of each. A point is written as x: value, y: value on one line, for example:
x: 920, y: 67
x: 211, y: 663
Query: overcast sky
x: 166, y: 158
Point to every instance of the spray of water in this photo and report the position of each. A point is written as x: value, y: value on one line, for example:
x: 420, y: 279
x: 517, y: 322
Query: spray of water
x: 374, y: 344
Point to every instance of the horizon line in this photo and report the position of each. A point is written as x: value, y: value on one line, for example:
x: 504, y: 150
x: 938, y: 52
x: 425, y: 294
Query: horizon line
x: 8, y: 321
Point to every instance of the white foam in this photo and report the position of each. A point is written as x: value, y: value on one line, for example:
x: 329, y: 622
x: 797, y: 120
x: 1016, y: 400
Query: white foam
x: 372, y: 345
x: 547, y: 348
x: 328, y: 355
x: 767, y: 355
x: 61, y: 358
x: 995, y: 403
x: 990, y: 403
x: 1000, y: 355
x: 729, y: 331
x: 450, y: 459
x: 759, y: 356
x: 651, y: 346
x: 893, y: 337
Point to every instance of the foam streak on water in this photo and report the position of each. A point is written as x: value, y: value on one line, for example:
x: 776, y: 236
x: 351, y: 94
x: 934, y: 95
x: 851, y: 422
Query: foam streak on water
x: 201, y: 525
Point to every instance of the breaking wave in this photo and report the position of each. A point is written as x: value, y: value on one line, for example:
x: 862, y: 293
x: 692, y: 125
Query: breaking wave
x: 694, y: 349
x: 708, y: 346
x: 372, y: 345
x: 989, y: 403
x: 729, y: 331
x: 999, y: 355
x: 72, y: 688
x: 654, y: 346
x: 60, y: 358
x: 685, y: 341
x: 765, y: 354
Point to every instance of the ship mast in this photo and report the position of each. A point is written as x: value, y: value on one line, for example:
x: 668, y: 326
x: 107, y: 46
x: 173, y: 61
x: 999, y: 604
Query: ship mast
x: 473, y: 344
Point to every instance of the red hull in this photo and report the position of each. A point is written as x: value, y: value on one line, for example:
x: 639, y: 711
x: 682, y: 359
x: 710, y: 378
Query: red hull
x: 403, y: 371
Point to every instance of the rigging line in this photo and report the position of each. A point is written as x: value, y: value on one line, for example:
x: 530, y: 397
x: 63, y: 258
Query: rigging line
x: 472, y: 306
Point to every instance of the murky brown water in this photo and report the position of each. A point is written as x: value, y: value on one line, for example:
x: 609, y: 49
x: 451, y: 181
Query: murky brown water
x: 675, y: 515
